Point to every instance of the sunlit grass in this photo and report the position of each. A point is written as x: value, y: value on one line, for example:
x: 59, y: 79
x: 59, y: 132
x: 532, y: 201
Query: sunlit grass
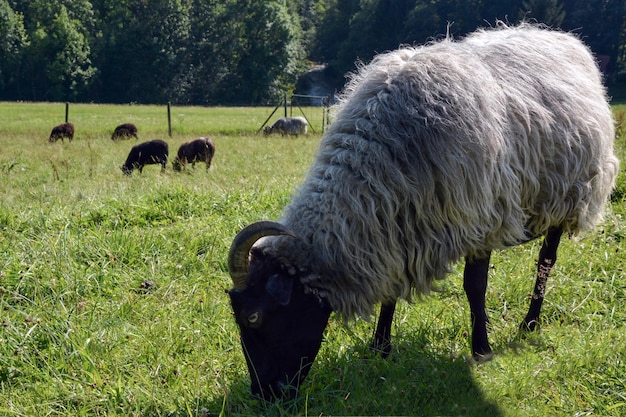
x: 112, y: 289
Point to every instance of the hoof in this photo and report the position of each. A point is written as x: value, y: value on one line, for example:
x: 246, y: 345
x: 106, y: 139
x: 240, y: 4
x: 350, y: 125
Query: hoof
x: 482, y: 357
x: 529, y: 325
x: 383, y: 350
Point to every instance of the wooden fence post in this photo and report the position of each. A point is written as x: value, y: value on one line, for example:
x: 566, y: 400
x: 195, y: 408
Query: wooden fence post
x: 169, y: 119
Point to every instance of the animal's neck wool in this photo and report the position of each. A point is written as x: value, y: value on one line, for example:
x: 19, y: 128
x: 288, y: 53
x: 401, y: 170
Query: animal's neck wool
x: 451, y: 150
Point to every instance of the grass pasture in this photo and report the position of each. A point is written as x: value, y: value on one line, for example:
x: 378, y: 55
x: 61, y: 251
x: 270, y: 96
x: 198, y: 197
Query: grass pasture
x: 112, y: 288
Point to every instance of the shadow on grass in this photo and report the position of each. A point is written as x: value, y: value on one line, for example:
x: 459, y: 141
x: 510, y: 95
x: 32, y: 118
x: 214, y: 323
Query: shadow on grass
x: 411, y: 382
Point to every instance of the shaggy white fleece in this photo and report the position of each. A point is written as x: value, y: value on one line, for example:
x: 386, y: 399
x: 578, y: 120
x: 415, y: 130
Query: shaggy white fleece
x: 447, y: 151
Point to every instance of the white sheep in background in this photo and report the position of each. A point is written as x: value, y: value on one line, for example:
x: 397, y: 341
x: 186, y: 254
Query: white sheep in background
x: 437, y: 153
x: 293, y: 126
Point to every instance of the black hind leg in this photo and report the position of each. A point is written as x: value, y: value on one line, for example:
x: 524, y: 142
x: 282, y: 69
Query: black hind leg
x: 547, y: 259
x: 475, y: 285
x: 382, y: 337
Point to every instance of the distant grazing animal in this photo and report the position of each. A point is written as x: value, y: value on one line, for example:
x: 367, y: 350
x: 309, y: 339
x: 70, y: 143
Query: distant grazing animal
x: 62, y: 131
x: 287, y: 126
x: 437, y: 153
x: 124, y: 131
x: 197, y: 150
x: 152, y: 152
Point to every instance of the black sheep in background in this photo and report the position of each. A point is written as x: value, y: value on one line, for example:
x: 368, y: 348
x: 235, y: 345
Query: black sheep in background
x: 151, y: 152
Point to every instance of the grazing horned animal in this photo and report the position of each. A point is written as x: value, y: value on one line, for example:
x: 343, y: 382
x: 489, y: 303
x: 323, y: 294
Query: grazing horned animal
x: 197, y: 150
x: 437, y: 153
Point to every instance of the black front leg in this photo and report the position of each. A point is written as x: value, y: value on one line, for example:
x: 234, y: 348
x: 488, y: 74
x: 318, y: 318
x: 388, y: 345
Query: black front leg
x: 475, y: 285
x: 547, y: 259
x: 382, y: 337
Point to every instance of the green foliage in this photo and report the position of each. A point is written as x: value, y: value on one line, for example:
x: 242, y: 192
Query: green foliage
x: 185, y: 51
x: 550, y: 12
x: 12, y: 35
x: 143, y: 48
x: 71, y: 67
x: 351, y: 30
x: 55, y: 62
x: 12, y: 40
x: 242, y: 52
x: 112, y: 289
x: 248, y: 53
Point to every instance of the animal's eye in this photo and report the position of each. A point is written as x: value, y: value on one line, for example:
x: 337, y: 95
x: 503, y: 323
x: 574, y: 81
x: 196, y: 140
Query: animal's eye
x: 253, y: 318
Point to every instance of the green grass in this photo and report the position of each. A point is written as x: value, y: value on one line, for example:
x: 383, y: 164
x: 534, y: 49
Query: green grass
x: 94, y: 121
x: 112, y: 289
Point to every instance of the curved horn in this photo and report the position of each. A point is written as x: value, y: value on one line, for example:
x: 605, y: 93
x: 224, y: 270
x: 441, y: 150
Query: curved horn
x: 238, y: 261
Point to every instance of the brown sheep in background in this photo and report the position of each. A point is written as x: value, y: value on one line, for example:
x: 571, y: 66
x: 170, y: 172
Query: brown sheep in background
x: 197, y: 150
x: 124, y: 131
x: 62, y: 131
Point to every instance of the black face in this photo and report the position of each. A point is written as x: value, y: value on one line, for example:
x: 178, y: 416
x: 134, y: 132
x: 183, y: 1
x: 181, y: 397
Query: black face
x: 127, y: 170
x: 281, y: 330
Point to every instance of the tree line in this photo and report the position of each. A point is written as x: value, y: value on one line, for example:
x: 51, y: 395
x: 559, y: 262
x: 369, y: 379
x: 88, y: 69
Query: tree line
x: 212, y: 52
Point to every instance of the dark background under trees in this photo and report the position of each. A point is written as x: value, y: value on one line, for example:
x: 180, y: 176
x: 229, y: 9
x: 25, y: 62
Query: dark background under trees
x: 247, y: 52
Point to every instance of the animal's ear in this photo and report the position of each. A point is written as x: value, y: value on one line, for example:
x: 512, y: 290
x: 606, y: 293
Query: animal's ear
x: 279, y: 287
